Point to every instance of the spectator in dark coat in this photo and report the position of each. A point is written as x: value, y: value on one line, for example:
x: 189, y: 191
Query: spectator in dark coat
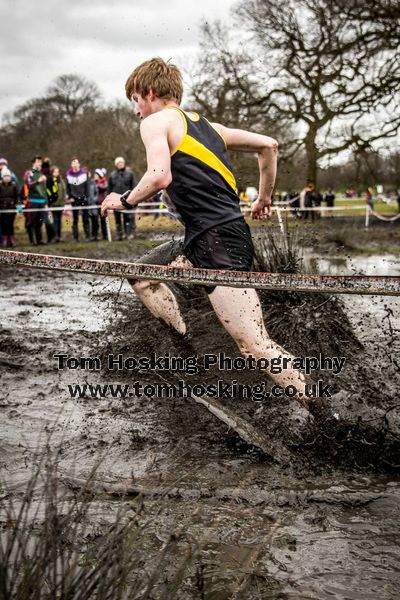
x: 94, y: 210
x: 78, y: 194
x: 8, y: 201
x: 308, y: 201
x: 121, y: 180
x: 330, y: 201
x: 56, y: 193
x: 99, y: 177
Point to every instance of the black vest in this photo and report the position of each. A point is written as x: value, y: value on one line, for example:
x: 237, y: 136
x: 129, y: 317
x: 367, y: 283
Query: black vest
x: 203, y: 187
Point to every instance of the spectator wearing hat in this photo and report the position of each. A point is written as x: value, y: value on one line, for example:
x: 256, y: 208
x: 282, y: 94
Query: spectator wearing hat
x: 100, y: 179
x: 14, y: 178
x: 8, y: 201
x: 121, y: 180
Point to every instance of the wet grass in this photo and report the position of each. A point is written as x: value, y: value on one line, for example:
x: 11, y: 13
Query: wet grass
x: 54, y: 544
x: 341, y: 236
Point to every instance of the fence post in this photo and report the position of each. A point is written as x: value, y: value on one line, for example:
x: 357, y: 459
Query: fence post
x: 278, y: 212
x: 108, y: 228
x: 367, y: 216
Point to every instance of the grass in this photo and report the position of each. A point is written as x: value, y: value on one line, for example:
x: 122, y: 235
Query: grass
x: 54, y: 544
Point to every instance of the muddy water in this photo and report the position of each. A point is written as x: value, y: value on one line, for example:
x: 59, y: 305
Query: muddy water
x: 263, y: 531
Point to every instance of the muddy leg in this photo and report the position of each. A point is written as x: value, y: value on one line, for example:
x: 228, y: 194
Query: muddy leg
x: 161, y: 302
x: 239, y: 311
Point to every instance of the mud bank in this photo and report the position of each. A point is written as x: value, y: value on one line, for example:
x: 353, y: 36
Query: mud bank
x: 319, y: 527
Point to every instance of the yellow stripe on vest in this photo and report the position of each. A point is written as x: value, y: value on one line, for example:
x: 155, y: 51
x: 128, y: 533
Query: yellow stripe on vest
x: 194, y: 148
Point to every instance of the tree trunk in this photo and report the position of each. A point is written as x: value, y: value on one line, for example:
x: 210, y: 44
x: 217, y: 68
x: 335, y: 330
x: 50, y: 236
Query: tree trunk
x: 312, y: 157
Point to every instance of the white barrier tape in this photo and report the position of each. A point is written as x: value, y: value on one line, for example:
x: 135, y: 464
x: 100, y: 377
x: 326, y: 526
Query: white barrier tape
x: 382, y: 218
x: 67, y: 208
x: 287, y: 202
x: 138, y: 209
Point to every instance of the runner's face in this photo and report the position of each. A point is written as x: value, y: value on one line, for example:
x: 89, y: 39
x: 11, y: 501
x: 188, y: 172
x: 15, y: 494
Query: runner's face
x: 141, y: 105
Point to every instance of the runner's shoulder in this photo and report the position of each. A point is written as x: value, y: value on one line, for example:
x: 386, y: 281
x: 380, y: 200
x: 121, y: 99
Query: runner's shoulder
x: 161, y: 119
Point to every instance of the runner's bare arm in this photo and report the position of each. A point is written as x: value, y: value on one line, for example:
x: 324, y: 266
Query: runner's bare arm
x: 153, y: 131
x: 267, y: 151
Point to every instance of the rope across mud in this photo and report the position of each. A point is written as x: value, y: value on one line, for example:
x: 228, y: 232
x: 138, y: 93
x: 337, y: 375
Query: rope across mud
x: 335, y: 284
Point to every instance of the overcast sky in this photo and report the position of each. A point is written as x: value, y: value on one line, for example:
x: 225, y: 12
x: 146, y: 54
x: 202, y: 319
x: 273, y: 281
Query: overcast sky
x: 102, y: 40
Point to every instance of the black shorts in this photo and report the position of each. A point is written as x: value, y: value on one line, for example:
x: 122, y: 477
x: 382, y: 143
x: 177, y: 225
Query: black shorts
x: 228, y: 246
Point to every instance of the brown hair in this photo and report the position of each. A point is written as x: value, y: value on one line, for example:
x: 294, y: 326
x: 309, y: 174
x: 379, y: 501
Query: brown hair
x: 53, y: 168
x: 162, y: 77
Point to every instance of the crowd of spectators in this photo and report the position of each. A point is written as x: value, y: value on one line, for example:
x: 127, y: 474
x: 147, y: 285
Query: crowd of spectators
x: 77, y: 195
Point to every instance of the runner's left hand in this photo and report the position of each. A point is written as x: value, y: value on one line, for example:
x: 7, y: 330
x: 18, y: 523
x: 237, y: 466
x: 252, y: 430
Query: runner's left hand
x: 111, y: 202
x: 261, y: 209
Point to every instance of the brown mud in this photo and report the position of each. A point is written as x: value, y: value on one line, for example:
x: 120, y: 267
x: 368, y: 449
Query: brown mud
x: 326, y: 525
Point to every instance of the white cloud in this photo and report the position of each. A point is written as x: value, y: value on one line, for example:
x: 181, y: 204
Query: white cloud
x: 102, y: 40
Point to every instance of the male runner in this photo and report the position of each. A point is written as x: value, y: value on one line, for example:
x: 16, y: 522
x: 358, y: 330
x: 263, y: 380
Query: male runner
x: 187, y: 156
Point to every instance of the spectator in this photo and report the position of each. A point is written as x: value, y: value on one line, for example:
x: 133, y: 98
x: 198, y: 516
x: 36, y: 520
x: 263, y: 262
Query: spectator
x: 78, y: 194
x: 46, y: 166
x: 37, y: 198
x: 14, y: 178
x: 24, y: 199
x: 94, y: 210
x: 8, y: 201
x: 56, y: 193
x: 330, y: 201
x: 308, y: 201
x: 316, y: 202
x: 369, y: 196
x: 293, y: 200
x: 121, y: 180
x: 102, y: 187
x: 50, y: 229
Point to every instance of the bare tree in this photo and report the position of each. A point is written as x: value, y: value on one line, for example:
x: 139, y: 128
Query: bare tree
x: 221, y: 83
x: 70, y: 120
x: 71, y: 95
x: 381, y: 16
x: 332, y: 73
x: 225, y: 90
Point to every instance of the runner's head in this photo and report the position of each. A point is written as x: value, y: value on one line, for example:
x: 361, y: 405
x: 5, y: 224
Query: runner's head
x: 152, y: 85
